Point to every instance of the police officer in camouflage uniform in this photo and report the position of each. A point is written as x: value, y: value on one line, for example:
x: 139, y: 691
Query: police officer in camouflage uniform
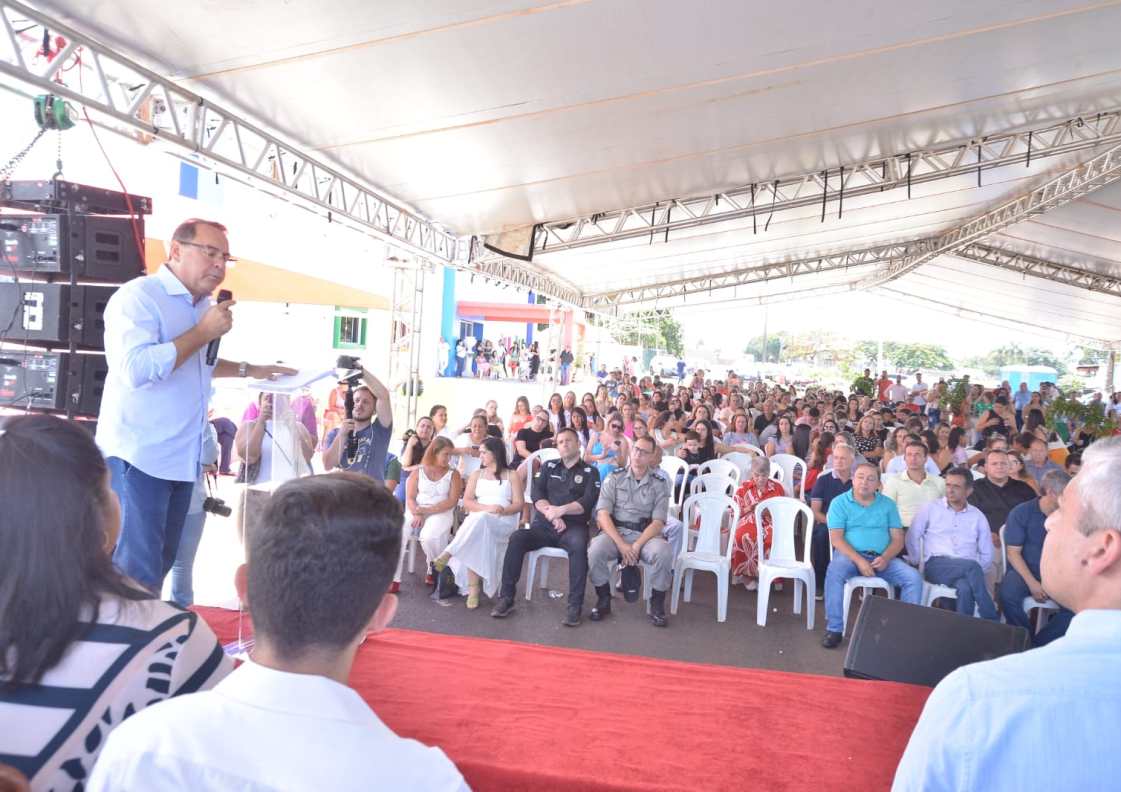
x: 564, y: 493
x: 632, y: 509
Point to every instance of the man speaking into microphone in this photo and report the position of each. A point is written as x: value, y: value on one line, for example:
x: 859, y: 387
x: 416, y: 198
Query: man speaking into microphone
x: 154, y: 407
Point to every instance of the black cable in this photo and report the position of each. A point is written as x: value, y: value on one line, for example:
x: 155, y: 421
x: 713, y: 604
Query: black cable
x: 754, y: 219
x: 1029, y: 150
x: 908, y: 175
x: 824, y: 191
x: 841, y: 194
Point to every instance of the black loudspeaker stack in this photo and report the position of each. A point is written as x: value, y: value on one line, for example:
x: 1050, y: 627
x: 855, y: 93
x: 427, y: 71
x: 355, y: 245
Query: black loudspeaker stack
x: 64, y: 249
x: 899, y: 642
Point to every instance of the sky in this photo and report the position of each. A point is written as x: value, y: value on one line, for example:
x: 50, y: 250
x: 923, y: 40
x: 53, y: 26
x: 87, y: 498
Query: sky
x: 858, y: 316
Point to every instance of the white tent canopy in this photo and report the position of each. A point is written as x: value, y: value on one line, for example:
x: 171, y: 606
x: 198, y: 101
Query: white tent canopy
x: 490, y: 115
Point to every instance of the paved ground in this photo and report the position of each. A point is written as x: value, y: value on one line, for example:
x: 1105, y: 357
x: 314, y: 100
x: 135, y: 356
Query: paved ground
x: 693, y: 635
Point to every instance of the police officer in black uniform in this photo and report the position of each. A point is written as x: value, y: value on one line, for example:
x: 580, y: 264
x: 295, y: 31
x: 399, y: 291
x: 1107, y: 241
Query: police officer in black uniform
x: 564, y: 493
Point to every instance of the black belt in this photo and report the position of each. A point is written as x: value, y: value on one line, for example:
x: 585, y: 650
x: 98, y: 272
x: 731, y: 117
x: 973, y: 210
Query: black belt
x: 636, y: 525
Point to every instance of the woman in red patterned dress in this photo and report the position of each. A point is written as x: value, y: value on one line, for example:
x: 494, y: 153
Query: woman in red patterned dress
x: 745, y: 554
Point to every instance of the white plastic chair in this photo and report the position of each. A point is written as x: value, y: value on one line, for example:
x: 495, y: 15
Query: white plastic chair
x: 673, y: 466
x: 543, y: 554
x: 1046, y: 609
x: 790, y: 464
x: 707, y: 555
x: 783, y: 563
x: 932, y: 591
x: 540, y: 456
x: 741, y: 461
x: 777, y: 473
x: 713, y: 483
x: 721, y: 466
x: 866, y: 584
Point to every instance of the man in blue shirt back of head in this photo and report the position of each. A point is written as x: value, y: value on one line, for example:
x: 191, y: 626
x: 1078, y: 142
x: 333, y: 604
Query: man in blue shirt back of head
x: 1047, y: 718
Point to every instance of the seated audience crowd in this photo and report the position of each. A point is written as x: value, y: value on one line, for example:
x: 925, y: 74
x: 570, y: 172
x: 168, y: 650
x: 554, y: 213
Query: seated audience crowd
x: 908, y: 488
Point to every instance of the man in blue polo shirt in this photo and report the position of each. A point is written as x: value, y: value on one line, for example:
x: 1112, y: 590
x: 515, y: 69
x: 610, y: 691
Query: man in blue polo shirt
x: 867, y: 536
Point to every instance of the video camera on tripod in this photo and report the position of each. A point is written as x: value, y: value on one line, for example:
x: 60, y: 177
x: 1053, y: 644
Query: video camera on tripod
x: 353, y: 378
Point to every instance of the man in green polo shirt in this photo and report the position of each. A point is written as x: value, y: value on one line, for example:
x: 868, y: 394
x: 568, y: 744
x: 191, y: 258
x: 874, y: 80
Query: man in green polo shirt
x: 867, y: 537
x: 914, y: 487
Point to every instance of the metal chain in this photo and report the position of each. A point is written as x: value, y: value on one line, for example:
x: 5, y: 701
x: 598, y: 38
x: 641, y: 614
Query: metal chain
x: 8, y: 169
x: 58, y: 158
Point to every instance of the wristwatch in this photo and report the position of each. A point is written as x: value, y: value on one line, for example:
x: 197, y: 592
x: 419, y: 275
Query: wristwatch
x: 243, y: 369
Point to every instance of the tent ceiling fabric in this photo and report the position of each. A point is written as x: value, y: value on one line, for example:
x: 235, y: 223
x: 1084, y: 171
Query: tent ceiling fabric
x: 488, y: 115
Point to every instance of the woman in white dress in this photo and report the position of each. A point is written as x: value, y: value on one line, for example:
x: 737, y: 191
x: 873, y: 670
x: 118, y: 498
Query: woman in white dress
x: 433, y: 490
x: 493, y: 501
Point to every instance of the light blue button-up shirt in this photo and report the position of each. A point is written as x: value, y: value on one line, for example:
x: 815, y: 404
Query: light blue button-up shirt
x: 1043, y: 719
x: 942, y: 530
x: 153, y: 414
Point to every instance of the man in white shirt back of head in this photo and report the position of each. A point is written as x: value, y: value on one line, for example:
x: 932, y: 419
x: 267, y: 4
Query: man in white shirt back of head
x: 319, y: 564
x: 1047, y: 718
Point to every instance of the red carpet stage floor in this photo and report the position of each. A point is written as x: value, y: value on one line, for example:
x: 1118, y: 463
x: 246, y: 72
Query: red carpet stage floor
x: 520, y: 716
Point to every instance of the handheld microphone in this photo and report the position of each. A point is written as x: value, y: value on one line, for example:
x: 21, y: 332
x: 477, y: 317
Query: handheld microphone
x: 212, y: 347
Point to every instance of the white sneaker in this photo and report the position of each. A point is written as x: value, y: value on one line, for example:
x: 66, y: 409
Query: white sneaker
x: 752, y: 585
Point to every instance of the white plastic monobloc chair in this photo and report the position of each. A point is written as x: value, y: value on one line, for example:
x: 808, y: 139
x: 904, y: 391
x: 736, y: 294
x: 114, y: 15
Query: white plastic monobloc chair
x: 545, y: 553
x: 866, y: 585
x: 712, y: 510
x: 782, y: 562
x: 790, y: 465
x: 1046, y: 609
x: 741, y: 461
x: 673, y: 467
x: 932, y: 591
x: 777, y: 474
x: 712, y: 483
x: 721, y: 466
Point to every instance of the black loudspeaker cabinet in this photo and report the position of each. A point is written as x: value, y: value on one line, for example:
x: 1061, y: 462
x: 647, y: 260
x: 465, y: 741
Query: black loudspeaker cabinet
x: 899, y: 642
x: 95, y: 248
x: 46, y: 314
x: 55, y: 195
x: 52, y: 380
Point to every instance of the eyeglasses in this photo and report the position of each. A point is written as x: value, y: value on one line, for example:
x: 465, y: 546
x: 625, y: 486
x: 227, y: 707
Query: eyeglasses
x: 617, y: 426
x: 210, y: 251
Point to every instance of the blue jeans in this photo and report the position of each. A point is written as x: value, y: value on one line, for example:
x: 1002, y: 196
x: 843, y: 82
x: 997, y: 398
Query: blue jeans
x: 182, y: 571
x: 841, y: 568
x: 1011, y: 594
x: 152, y: 515
x: 967, y: 578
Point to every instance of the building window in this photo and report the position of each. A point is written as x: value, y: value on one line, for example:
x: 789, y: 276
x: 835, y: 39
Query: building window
x: 350, y: 329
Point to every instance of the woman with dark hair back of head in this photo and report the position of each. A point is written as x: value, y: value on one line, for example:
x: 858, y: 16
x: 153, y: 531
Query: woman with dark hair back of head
x: 63, y: 606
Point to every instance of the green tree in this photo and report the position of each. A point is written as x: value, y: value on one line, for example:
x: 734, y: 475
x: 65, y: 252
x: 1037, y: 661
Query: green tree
x: 774, y: 347
x: 905, y: 356
x: 658, y: 330
x: 1015, y: 355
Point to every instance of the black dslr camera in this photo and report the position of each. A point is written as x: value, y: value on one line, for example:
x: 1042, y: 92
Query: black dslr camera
x: 216, y: 506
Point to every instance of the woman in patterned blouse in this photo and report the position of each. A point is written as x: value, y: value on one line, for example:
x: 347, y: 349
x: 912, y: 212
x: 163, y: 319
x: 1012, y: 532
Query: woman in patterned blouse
x: 81, y: 646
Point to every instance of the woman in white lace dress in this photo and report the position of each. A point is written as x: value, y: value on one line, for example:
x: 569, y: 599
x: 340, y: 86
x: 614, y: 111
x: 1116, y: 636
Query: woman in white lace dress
x: 433, y: 490
x: 493, y: 501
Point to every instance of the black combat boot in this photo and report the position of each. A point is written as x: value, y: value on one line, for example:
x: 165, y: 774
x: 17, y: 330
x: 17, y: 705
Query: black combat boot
x: 658, y: 608
x: 603, y: 603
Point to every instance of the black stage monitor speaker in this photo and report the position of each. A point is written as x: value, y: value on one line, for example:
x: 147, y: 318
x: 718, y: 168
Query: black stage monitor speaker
x: 95, y: 248
x: 52, y: 381
x: 899, y: 642
x: 46, y: 314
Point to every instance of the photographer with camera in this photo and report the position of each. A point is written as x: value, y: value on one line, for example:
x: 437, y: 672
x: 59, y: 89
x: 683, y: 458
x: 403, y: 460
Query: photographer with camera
x: 360, y: 443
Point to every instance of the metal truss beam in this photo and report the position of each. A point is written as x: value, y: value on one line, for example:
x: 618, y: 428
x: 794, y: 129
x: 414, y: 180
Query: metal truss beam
x: 1041, y: 268
x: 127, y: 92
x: 1075, y: 183
x: 993, y: 319
x: 760, y: 273
x: 527, y: 277
x: 659, y: 220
